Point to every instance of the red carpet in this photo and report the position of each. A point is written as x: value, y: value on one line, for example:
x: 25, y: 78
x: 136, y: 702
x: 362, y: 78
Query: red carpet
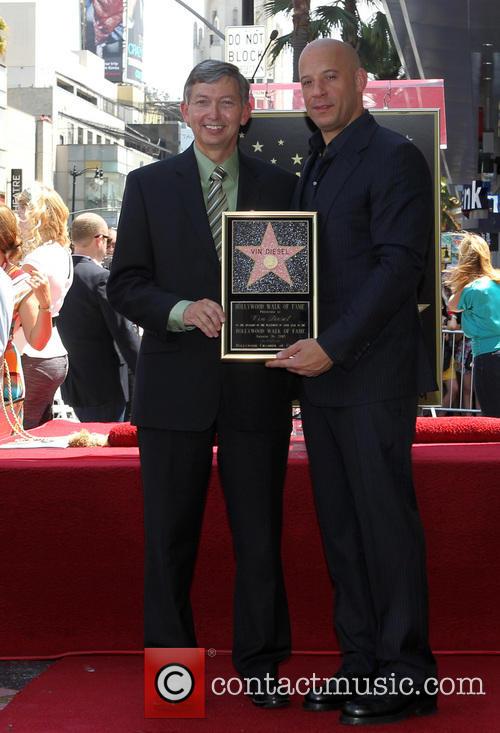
x: 428, y: 430
x: 461, y: 429
x: 71, y: 548
x: 70, y: 698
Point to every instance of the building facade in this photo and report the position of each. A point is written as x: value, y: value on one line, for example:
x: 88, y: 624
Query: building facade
x: 60, y: 112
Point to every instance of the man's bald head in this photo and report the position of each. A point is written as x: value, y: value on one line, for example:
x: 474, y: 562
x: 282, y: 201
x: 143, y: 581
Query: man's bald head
x: 334, y: 47
x: 332, y: 83
x: 89, y: 234
x: 86, y: 226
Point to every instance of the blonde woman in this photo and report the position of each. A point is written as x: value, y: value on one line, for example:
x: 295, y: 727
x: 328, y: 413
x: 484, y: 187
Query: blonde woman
x: 43, y: 218
x: 30, y: 294
x: 475, y: 285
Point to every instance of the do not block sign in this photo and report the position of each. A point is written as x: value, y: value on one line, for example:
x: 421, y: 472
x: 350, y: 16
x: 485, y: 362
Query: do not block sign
x: 243, y: 47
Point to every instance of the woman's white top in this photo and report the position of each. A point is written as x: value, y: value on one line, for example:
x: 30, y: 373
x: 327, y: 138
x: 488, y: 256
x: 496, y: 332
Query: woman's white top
x: 56, y: 262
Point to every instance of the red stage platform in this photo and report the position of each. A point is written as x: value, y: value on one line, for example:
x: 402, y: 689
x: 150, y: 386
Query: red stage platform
x: 71, y: 548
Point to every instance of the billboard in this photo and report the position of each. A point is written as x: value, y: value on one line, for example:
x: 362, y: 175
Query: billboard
x: 113, y: 30
x: 104, y: 34
x: 135, y: 41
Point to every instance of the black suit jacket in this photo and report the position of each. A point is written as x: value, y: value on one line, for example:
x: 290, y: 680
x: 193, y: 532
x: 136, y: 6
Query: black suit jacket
x: 165, y: 253
x: 101, y: 344
x: 375, y: 209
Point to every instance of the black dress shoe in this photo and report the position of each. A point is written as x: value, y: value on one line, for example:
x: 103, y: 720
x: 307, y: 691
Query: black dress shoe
x: 269, y: 700
x: 341, y: 688
x: 264, y: 693
x: 370, y: 709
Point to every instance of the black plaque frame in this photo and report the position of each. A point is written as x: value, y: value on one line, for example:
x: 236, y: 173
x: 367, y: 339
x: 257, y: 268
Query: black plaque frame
x: 265, y: 316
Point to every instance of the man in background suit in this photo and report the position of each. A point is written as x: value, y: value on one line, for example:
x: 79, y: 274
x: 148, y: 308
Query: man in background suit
x: 166, y: 277
x: 101, y: 344
x: 362, y: 376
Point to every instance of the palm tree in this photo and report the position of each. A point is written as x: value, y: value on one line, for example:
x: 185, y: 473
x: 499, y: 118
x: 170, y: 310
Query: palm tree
x: 372, y: 40
x: 301, y: 22
x: 376, y: 49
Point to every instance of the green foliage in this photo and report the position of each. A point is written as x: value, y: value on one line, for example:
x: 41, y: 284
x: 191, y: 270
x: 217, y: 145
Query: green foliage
x: 3, y: 40
x: 372, y: 40
x: 450, y: 210
x: 376, y: 50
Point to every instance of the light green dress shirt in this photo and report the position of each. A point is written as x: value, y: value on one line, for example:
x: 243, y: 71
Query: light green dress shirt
x: 230, y: 185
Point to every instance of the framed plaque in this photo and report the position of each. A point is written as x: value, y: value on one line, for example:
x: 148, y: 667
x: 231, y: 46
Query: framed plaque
x: 269, y: 262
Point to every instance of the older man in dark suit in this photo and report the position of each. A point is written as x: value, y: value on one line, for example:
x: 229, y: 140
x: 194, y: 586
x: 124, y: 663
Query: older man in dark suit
x: 101, y: 344
x: 362, y: 377
x: 166, y: 277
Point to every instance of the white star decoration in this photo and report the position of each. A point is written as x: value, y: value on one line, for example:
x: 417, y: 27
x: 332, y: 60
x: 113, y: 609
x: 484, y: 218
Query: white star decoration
x: 257, y: 148
x: 281, y: 142
x: 273, y: 161
x: 297, y: 159
x: 242, y: 135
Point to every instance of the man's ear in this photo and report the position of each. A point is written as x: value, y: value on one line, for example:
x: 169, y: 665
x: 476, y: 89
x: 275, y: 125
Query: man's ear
x: 184, y: 111
x: 361, y: 78
x: 245, y: 114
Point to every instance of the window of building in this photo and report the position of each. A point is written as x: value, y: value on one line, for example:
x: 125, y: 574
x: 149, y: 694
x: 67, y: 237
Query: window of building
x: 109, y: 106
x: 214, y: 39
x: 98, y: 139
x: 87, y: 97
x: 64, y: 85
x: 235, y: 16
x: 80, y: 136
x: 90, y: 137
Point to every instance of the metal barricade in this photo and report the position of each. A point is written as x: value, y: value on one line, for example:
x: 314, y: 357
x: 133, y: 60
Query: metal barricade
x: 61, y: 411
x: 457, y: 374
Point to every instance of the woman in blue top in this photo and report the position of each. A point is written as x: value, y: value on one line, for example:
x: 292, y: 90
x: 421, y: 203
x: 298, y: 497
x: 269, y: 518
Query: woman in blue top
x: 475, y: 285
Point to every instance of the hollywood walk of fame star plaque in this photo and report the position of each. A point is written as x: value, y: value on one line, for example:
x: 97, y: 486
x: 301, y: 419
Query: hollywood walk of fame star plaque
x: 268, y: 282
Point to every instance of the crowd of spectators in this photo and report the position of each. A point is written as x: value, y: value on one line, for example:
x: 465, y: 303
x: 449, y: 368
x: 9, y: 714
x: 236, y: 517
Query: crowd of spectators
x: 57, y: 329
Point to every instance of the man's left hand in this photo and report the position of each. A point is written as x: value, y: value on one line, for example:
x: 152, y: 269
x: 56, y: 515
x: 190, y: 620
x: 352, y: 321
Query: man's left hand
x: 305, y: 358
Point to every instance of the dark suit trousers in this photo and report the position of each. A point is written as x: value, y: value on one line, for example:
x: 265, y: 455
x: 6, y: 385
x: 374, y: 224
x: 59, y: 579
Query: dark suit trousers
x: 360, y: 459
x: 175, y: 471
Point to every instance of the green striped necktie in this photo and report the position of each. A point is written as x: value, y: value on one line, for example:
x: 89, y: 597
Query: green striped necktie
x: 216, y: 204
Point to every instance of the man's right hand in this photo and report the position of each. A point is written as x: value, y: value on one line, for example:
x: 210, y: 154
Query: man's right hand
x: 207, y: 315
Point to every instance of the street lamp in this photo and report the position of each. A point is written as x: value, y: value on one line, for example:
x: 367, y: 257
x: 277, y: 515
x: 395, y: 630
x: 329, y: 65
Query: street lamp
x: 74, y: 173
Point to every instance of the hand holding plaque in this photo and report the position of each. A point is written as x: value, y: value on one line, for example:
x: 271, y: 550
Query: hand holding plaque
x: 268, y: 282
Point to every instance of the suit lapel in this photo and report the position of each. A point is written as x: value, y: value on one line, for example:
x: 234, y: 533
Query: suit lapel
x: 248, y: 188
x: 297, y: 194
x: 343, y: 166
x: 334, y: 180
x: 191, y: 195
